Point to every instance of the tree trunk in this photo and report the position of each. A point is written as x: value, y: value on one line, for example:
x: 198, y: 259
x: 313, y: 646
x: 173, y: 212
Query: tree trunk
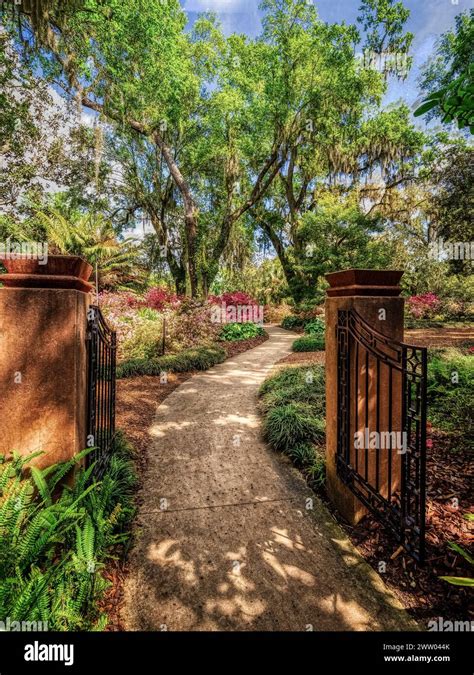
x: 190, y: 214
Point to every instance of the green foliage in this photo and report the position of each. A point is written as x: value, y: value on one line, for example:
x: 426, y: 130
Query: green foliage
x: 93, y: 237
x: 299, y: 392
x: 451, y: 392
x: 293, y: 404
x: 450, y: 76
x: 143, y: 342
x: 460, y: 581
x: 313, y: 375
x: 54, y: 538
x: 384, y: 21
x: 292, y: 321
x: 309, y: 343
x: 292, y: 424
x: 316, y: 471
x: 200, y: 358
x: 232, y: 332
x: 315, y: 327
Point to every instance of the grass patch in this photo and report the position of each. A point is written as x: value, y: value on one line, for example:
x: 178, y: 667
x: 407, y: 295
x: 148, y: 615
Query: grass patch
x: 289, y: 425
x: 198, y: 358
x: 309, y: 343
x: 55, y: 538
x: 293, y: 404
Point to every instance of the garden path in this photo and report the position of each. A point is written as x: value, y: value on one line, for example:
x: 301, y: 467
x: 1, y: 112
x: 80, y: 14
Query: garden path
x: 224, y: 538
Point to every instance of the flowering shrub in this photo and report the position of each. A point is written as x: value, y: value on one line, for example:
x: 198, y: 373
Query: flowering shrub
x: 237, y: 307
x: 276, y: 313
x: 191, y: 325
x: 120, y: 302
x: 233, y: 298
x: 423, y: 306
x: 159, y: 298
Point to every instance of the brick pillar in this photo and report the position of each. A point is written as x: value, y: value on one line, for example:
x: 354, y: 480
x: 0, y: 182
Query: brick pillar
x: 43, y: 388
x: 368, y: 292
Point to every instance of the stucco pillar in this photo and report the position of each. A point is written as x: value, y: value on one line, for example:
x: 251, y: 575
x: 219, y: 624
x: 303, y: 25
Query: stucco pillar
x: 43, y: 386
x: 375, y: 295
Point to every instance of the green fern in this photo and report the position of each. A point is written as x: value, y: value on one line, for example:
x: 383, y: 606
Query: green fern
x: 52, y: 549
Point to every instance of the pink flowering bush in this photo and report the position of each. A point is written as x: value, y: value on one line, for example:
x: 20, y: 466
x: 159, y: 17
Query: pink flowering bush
x: 189, y: 323
x: 423, y: 306
x: 233, y: 298
x: 138, y: 327
x: 241, y: 307
x: 190, y: 326
x: 159, y: 298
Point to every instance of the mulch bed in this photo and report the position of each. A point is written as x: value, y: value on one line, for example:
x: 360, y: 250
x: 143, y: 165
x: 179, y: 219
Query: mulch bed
x: 450, y: 474
x: 439, y: 337
x: 240, y: 346
x: 303, y: 358
x: 136, y: 404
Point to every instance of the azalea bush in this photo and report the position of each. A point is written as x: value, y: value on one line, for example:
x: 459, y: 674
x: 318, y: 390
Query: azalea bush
x: 161, y: 298
x: 239, y: 307
x: 234, y: 298
x: 423, y: 306
x: 191, y: 325
x: 140, y: 321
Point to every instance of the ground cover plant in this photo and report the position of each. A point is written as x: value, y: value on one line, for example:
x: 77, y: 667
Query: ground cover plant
x: 240, y: 331
x: 292, y: 402
x: 55, y: 538
x: 309, y: 343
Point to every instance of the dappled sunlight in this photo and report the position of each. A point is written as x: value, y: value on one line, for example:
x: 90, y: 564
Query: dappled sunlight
x: 251, y: 421
x: 235, y: 548
x: 168, y: 553
x: 282, y: 537
x: 159, y: 431
x: 354, y: 616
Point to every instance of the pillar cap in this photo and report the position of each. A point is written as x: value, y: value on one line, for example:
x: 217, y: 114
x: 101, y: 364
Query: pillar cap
x: 364, y: 282
x: 58, y: 271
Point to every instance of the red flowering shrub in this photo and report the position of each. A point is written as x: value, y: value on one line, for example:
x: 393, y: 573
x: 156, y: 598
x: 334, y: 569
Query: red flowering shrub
x: 423, y: 306
x: 241, y: 307
x: 159, y: 298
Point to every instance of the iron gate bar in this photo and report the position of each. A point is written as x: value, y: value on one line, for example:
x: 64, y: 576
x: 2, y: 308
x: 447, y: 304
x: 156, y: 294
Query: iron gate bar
x: 402, y: 510
x: 101, y: 377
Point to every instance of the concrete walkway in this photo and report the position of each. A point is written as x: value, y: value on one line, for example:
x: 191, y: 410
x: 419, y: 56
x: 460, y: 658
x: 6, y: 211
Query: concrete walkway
x: 224, y: 539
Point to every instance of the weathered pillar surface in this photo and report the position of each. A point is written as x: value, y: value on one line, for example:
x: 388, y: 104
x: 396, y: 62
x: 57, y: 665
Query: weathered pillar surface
x: 43, y: 365
x: 368, y: 292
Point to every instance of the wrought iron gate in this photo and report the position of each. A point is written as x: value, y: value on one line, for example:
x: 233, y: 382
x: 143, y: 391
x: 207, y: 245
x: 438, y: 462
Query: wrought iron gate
x: 382, y: 389
x: 101, y: 357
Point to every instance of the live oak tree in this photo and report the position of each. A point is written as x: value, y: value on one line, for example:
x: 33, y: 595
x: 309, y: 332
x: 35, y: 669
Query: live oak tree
x: 344, y: 142
x: 134, y: 65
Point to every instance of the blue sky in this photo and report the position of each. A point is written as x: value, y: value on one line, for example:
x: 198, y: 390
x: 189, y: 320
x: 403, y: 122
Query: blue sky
x: 428, y: 20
